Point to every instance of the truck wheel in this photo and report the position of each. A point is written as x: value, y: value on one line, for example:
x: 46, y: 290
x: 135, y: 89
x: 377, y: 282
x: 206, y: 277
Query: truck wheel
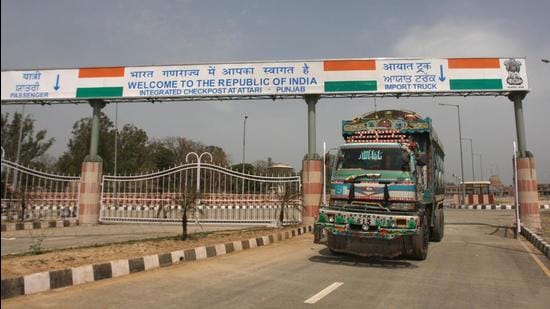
x: 439, y: 228
x: 420, y: 242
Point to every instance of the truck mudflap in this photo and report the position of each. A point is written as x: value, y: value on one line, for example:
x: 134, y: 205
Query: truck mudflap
x: 319, y: 234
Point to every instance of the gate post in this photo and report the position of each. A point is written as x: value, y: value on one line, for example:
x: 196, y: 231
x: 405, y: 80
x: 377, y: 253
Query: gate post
x: 311, y: 168
x: 526, y: 172
x: 91, y: 173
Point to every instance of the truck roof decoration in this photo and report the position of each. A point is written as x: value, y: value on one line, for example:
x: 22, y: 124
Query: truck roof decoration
x: 384, y: 126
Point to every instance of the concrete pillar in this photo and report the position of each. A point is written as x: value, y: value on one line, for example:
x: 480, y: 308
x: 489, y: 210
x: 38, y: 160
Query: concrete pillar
x: 312, y: 182
x: 91, y: 173
x: 526, y: 172
x: 312, y: 167
x: 529, y: 212
x: 90, y: 193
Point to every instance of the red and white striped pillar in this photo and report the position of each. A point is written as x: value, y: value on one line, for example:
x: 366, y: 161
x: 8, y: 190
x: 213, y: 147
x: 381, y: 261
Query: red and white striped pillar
x: 526, y: 172
x: 528, y: 195
x: 90, y: 193
x: 312, y: 182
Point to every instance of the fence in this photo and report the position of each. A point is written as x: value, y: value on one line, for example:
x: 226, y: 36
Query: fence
x: 217, y: 195
x: 31, y: 194
x: 220, y: 195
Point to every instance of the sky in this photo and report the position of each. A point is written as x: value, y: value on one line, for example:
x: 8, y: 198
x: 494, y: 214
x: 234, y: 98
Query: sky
x: 71, y: 34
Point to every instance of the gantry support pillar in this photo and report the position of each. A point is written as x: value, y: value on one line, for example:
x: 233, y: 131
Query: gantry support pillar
x: 312, y: 167
x: 92, y: 170
x: 526, y: 172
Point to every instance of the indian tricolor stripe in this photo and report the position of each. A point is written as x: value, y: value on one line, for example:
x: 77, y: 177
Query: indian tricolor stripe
x: 489, y: 68
x: 350, y: 75
x: 100, y: 82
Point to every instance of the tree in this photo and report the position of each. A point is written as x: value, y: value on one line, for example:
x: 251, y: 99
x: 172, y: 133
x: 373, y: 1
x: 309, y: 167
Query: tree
x: 161, y: 157
x: 133, y: 154
x: 33, y: 145
x: 261, y: 167
x: 181, y: 146
x: 287, y: 198
x: 248, y: 168
x: 79, y: 145
x: 189, y: 203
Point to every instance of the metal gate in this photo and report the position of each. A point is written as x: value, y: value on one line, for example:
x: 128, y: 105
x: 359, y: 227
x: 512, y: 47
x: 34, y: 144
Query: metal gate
x: 225, y: 196
x: 29, y: 194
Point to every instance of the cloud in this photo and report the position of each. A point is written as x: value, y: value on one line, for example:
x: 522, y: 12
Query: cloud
x: 458, y: 39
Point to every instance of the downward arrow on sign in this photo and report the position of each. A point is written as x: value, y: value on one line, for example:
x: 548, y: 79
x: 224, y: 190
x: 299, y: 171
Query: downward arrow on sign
x: 441, y: 76
x: 56, y: 86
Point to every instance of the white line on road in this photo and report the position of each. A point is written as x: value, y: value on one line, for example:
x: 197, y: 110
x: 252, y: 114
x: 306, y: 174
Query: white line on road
x: 315, y: 298
x: 10, y: 238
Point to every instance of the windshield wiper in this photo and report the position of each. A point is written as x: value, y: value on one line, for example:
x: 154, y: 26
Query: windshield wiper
x: 352, y: 178
x: 354, y: 207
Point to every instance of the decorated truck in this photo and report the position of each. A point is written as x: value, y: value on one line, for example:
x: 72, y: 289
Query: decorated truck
x: 386, y: 188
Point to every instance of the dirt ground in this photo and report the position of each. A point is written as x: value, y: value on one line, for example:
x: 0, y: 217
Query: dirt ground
x: 19, y: 265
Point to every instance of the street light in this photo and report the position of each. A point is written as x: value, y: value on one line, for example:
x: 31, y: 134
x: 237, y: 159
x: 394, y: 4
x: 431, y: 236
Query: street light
x: 472, y: 153
x: 480, y: 163
x: 460, y: 144
x: 545, y: 60
x: 19, y: 141
x: 244, y: 143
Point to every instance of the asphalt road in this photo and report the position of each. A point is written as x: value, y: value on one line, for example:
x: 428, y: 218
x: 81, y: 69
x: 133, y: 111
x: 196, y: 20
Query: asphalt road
x: 79, y: 236
x: 478, y: 265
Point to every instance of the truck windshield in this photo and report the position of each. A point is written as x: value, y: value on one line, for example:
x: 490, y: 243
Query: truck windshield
x: 373, y: 158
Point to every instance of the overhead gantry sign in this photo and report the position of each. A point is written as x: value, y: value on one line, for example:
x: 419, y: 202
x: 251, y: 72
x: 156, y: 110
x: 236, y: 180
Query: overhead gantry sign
x: 307, y: 79
x: 256, y: 80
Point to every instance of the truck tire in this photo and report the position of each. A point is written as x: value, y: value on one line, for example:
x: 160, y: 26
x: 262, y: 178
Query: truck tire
x: 439, y: 228
x: 420, y: 242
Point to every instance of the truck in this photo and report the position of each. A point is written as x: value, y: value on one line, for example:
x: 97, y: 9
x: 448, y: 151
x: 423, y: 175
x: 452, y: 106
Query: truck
x: 386, y: 188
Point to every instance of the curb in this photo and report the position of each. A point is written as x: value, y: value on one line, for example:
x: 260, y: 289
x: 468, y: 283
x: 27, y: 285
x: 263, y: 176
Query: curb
x: 49, y: 280
x: 8, y: 227
x: 536, y: 240
x: 491, y: 207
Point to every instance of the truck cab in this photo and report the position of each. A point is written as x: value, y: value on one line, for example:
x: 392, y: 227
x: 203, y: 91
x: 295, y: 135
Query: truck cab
x: 382, y: 186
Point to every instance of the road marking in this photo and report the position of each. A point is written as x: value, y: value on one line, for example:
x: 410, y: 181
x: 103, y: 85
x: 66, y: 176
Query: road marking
x: 315, y: 298
x: 539, y: 263
x: 10, y: 238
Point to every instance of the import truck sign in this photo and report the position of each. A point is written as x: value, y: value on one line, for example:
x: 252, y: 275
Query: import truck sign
x: 437, y: 76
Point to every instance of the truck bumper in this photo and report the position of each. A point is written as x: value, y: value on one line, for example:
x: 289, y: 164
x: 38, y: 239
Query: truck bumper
x: 366, y: 234
x: 369, y: 247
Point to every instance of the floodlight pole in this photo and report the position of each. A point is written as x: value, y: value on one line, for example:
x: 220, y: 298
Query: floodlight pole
x: 244, y: 143
x: 472, y: 155
x: 19, y: 140
x: 480, y: 163
x: 463, y: 195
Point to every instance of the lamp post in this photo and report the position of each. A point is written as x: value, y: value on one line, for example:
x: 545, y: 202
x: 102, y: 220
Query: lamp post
x: 244, y: 144
x: 480, y: 164
x: 19, y: 141
x: 472, y: 153
x: 463, y: 195
x: 116, y: 153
